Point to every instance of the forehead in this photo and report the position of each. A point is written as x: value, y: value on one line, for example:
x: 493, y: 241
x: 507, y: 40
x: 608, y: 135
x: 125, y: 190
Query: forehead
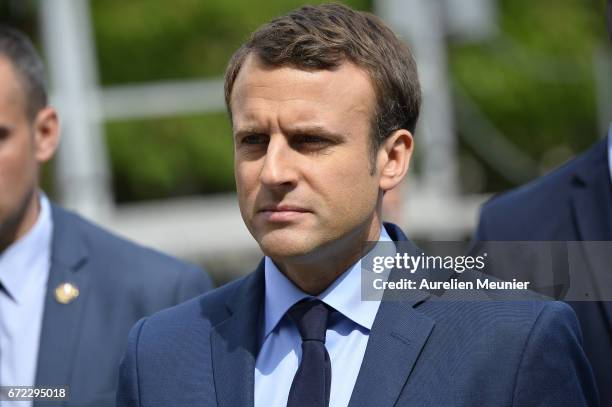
x: 292, y: 93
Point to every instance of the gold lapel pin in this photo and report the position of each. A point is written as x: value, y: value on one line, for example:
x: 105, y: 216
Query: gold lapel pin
x: 66, y: 293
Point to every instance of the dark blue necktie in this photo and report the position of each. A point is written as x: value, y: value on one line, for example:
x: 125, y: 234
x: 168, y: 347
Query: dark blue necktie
x: 312, y: 381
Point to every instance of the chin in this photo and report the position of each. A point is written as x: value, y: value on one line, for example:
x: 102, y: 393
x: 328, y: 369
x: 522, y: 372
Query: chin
x: 277, y: 244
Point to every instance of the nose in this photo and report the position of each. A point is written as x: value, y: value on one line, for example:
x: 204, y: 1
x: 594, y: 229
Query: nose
x: 279, y: 166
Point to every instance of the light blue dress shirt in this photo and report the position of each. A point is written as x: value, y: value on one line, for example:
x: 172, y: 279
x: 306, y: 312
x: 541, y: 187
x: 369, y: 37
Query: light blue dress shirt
x: 24, y: 270
x: 347, y: 335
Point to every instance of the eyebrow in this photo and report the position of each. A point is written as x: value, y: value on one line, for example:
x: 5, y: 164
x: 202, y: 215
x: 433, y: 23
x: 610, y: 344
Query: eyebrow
x: 315, y: 130
x: 296, y: 130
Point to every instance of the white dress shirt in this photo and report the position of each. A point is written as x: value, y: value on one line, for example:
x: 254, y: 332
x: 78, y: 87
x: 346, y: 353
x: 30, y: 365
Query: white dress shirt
x: 24, y: 270
x: 346, y: 339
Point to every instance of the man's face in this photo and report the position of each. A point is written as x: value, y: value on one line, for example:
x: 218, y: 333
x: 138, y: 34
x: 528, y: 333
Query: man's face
x: 302, y: 156
x: 18, y: 164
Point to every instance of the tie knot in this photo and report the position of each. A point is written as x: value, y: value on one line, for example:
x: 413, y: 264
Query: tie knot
x: 311, y: 319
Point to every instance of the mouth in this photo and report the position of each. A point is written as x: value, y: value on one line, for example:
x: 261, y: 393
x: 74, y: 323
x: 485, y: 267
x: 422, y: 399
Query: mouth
x: 282, y: 213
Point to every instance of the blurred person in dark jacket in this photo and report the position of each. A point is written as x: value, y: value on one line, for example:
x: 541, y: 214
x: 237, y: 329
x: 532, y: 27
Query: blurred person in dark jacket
x: 572, y: 203
x: 69, y: 290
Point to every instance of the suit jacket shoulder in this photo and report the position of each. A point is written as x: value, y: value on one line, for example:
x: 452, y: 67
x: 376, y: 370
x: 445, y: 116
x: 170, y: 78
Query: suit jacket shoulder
x: 541, y: 209
x: 127, y: 262
x: 504, y: 353
x: 174, y: 323
x: 173, y: 343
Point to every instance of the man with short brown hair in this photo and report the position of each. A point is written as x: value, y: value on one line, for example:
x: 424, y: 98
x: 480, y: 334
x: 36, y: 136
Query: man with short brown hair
x: 323, y: 103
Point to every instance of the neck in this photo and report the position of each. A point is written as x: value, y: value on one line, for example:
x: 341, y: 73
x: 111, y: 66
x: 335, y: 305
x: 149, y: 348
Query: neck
x: 315, y: 272
x: 20, y: 223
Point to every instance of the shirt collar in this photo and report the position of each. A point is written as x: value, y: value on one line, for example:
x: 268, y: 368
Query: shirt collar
x: 17, y: 262
x: 344, y: 295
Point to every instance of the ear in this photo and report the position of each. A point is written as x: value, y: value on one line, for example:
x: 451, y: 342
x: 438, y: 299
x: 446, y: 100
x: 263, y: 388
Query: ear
x: 46, y: 134
x: 393, y: 159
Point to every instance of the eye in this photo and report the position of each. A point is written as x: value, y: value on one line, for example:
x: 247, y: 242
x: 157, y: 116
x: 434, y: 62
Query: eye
x: 4, y: 133
x: 254, y: 139
x: 312, y: 142
x: 310, y: 139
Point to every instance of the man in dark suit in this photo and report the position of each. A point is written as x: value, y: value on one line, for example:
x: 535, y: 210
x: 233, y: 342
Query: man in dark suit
x: 572, y: 203
x: 323, y: 103
x: 69, y: 291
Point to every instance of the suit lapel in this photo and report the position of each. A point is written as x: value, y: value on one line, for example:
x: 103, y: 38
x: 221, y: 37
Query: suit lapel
x: 395, y: 343
x: 396, y: 340
x: 61, y: 322
x: 235, y: 344
x: 592, y: 206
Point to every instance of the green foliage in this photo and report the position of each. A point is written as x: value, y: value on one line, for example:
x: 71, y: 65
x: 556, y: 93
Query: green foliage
x: 150, y: 40
x: 535, y: 80
x: 169, y: 157
x: 144, y: 40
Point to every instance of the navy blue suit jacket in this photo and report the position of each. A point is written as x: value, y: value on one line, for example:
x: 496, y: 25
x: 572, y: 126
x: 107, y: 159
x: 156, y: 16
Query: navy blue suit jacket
x: 421, y: 352
x: 82, y: 342
x: 572, y: 203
